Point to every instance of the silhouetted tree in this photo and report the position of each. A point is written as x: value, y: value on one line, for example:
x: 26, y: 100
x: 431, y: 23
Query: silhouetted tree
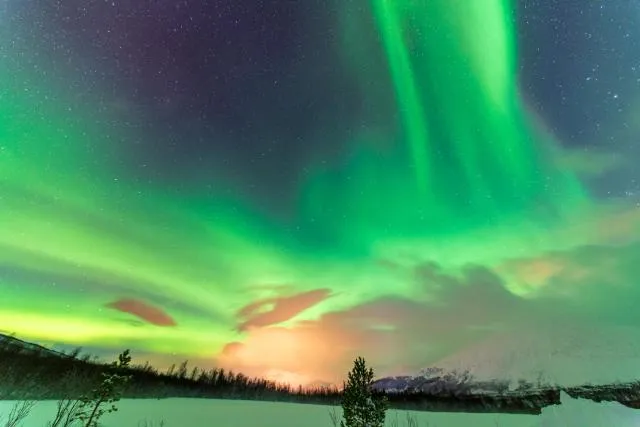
x: 171, y: 370
x: 182, y: 370
x: 360, y: 407
x: 91, y: 407
x: 194, y: 374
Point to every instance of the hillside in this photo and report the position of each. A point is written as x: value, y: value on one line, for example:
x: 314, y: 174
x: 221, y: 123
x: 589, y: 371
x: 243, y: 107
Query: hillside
x: 30, y: 371
x: 12, y: 344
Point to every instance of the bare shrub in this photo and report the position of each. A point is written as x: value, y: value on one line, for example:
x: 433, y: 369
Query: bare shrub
x: 66, y: 413
x: 19, y: 412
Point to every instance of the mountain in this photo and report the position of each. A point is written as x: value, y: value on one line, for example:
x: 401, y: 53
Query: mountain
x: 596, y: 362
x: 561, y: 358
x: 436, y: 381
x: 564, y: 356
x: 436, y: 386
x: 13, y: 344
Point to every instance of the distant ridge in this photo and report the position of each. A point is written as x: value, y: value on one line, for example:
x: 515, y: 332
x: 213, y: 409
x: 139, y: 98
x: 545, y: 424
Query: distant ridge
x: 13, y: 343
x: 566, y: 355
x: 435, y: 381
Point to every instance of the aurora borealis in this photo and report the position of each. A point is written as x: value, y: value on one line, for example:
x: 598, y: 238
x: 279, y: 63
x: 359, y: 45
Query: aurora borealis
x: 276, y: 189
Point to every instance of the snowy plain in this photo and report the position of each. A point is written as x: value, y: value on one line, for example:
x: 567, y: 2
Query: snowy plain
x: 238, y: 413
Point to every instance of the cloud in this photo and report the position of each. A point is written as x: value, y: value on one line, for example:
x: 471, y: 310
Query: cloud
x: 581, y: 291
x: 143, y: 310
x: 598, y: 283
x: 395, y: 333
x: 271, y: 311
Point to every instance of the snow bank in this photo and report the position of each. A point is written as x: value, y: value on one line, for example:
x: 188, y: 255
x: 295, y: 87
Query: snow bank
x: 238, y: 413
x: 229, y: 413
x: 585, y: 413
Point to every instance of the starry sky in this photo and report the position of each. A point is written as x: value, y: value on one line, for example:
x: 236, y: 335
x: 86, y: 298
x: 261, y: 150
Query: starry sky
x: 278, y: 187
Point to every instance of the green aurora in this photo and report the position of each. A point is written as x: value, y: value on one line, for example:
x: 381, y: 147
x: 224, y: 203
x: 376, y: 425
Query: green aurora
x: 466, y: 177
x: 468, y: 162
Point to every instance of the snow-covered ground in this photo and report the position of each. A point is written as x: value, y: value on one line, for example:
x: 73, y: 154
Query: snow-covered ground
x: 229, y: 413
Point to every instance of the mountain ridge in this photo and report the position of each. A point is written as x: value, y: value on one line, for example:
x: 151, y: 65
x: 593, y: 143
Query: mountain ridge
x: 11, y: 342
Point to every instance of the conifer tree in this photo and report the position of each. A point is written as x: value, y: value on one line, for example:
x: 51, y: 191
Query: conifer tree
x: 360, y: 407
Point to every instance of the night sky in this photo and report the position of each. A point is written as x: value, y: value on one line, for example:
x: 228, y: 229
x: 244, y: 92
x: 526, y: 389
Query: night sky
x: 277, y: 187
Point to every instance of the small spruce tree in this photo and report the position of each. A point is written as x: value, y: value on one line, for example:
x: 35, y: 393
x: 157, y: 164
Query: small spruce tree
x: 360, y: 407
